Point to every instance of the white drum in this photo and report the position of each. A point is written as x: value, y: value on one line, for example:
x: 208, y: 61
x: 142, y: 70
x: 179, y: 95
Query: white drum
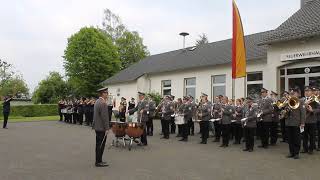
x: 64, y: 111
x: 179, y: 119
x: 133, y: 118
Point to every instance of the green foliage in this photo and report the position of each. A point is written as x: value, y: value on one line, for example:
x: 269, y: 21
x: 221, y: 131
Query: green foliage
x: 14, y: 86
x: 129, y: 43
x: 34, y: 110
x: 89, y: 59
x: 131, y: 48
x: 5, y: 72
x: 51, y: 89
x: 203, y: 39
x: 155, y: 96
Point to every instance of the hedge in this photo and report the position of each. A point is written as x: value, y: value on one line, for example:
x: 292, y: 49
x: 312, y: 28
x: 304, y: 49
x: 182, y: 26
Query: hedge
x: 34, y: 110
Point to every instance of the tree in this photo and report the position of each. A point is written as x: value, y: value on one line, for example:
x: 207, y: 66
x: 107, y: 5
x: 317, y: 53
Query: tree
x: 203, y: 39
x: 5, y: 72
x: 51, y: 89
x: 15, y: 86
x: 89, y: 59
x: 129, y: 43
x: 131, y: 48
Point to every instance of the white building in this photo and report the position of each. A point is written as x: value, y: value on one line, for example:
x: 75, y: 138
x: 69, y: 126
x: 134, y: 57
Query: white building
x: 286, y: 57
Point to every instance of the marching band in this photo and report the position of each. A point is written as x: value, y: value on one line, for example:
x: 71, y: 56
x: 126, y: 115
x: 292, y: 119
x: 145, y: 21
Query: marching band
x: 241, y: 120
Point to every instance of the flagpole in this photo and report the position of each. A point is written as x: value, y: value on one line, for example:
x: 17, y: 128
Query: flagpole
x: 233, y: 90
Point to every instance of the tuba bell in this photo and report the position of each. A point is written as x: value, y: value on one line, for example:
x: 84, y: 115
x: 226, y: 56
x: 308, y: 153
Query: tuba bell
x: 293, y: 103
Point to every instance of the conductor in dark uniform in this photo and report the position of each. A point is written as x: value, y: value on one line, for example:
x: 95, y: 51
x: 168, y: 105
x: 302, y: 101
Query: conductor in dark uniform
x: 6, y: 111
x: 101, y: 125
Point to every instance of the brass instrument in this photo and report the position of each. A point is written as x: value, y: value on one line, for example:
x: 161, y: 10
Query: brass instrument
x: 312, y: 99
x: 293, y: 102
x: 290, y: 104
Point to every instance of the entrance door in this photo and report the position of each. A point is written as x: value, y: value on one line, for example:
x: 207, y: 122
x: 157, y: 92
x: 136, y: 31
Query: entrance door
x: 297, y: 82
x: 314, y: 81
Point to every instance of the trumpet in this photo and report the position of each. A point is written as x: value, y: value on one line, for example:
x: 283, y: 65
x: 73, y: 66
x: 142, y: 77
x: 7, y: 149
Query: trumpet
x: 291, y: 104
x: 312, y: 99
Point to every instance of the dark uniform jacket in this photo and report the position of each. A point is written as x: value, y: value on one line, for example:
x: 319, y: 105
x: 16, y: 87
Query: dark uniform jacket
x: 6, y: 106
x: 204, y: 111
x: 187, y: 111
x: 239, y: 115
x: 151, y: 108
x: 311, y: 117
x: 227, y: 114
x: 217, y: 107
x: 141, y: 106
x: 100, y: 116
x: 251, y: 115
x: 167, y: 109
x: 296, y: 117
x: 265, y: 105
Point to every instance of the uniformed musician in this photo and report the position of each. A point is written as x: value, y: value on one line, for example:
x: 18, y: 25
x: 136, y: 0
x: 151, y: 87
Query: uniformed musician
x: 122, y: 109
x: 275, y: 119
x: 204, y: 114
x: 309, y: 134
x: 216, y: 114
x: 285, y: 97
x: 227, y: 112
x: 238, y: 131
x: 142, y: 115
x: 316, y: 93
x: 250, y: 124
x: 295, y: 124
x: 151, y: 115
x: 265, y: 113
x: 187, y: 112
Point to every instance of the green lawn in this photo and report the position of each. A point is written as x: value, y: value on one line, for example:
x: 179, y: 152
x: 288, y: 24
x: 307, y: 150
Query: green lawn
x: 30, y: 119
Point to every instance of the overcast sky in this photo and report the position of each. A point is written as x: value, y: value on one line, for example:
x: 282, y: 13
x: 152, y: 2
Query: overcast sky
x: 33, y: 33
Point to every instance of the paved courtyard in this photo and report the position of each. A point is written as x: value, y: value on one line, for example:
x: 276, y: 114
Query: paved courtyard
x: 59, y: 151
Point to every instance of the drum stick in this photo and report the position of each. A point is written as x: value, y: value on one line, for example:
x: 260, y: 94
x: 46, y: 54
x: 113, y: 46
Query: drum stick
x: 104, y: 138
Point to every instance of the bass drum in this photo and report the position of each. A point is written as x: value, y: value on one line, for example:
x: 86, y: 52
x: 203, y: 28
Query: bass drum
x: 179, y: 119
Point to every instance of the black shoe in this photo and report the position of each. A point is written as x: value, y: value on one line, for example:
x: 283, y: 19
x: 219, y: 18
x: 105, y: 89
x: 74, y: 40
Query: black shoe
x: 273, y: 144
x: 179, y: 135
x: 101, y: 164
x: 318, y: 149
x: 5, y: 128
x: 310, y: 152
x: 289, y: 156
x: 203, y: 142
x: 192, y: 134
x: 216, y: 140
x: 261, y: 146
x: 296, y: 157
x: 245, y: 149
x: 304, y: 151
x: 183, y: 139
x: 222, y: 145
x: 250, y: 150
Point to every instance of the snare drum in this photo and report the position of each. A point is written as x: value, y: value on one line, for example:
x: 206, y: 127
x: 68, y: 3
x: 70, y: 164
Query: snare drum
x: 119, y: 128
x: 134, y: 130
x: 64, y: 111
x: 179, y: 119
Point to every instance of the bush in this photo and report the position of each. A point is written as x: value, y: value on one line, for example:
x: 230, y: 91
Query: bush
x: 34, y: 110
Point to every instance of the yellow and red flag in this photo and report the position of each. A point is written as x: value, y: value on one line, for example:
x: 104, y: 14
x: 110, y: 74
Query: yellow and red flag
x: 238, y: 45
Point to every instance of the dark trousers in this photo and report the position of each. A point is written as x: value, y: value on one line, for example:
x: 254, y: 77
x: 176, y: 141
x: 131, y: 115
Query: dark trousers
x: 274, y: 132
x: 91, y: 118
x: 204, y: 129
x: 110, y: 113
x: 265, y: 134
x: 225, y: 133
x: 259, y: 130
x: 122, y: 116
x: 232, y: 129
x: 180, y: 129
x: 190, y: 127
x: 309, y: 137
x: 283, y: 129
x: 5, y: 119
x: 318, y: 127
x: 172, y: 126
x: 294, y: 139
x: 185, y: 130
x: 249, y: 136
x: 150, y: 126
x: 162, y: 125
x: 166, y: 132
x: 86, y: 116
x: 100, y: 144
x: 237, y: 133
x: 80, y: 118
x: 75, y: 118
x: 144, y: 136
x: 60, y: 114
x: 217, y: 129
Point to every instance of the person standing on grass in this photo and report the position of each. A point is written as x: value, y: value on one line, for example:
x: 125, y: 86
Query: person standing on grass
x: 101, y: 125
x: 6, y: 111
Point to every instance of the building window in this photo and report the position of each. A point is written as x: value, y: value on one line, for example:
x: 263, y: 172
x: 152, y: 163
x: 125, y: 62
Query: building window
x: 218, y: 85
x: 166, y: 87
x: 190, y: 87
x: 254, y: 84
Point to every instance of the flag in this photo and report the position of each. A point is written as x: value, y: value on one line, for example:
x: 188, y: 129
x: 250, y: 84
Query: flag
x: 238, y: 45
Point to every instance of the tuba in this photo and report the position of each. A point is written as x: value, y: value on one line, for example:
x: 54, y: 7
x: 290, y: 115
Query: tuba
x: 293, y: 103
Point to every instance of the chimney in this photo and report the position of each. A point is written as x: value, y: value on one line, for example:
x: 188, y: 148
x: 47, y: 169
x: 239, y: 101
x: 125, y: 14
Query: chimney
x: 304, y: 2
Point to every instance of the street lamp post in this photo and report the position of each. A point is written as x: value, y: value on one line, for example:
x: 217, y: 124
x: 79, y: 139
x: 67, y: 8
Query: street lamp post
x: 184, y: 34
